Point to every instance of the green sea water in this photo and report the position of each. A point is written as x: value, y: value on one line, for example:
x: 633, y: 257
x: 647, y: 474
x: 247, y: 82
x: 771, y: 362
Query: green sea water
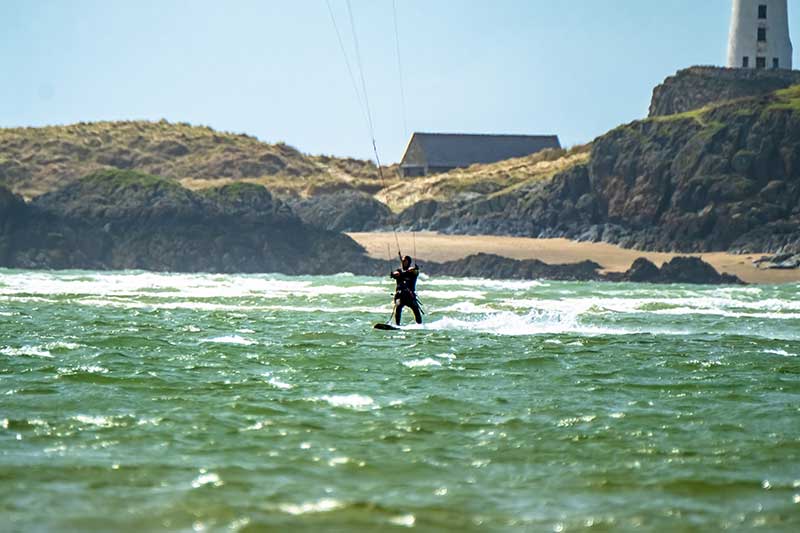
x: 135, y: 401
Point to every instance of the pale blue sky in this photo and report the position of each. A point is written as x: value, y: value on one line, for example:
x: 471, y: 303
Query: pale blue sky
x: 274, y: 69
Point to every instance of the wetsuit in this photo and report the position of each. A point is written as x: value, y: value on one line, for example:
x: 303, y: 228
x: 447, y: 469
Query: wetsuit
x: 405, y: 293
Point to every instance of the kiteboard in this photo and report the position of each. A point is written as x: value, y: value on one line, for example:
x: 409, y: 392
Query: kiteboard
x: 386, y: 327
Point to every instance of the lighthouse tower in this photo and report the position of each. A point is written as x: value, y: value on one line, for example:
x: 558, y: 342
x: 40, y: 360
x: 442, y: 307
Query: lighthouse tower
x: 759, y: 36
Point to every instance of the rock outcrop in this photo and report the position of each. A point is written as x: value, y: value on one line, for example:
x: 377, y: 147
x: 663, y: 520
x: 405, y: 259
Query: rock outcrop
x: 342, y: 211
x: 696, y: 87
x: 493, y: 266
x: 128, y: 220
x: 683, y: 270
x: 725, y: 178
x: 686, y: 270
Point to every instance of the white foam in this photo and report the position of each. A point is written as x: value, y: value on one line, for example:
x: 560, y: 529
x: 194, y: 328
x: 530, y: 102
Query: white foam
x: 60, y: 345
x: 451, y: 295
x: 418, y: 363
x: 465, y: 308
x: 779, y: 351
x: 33, y: 351
x: 82, y: 369
x: 98, y: 421
x: 534, y: 323
x: 278, y: 384
x: 322, y: 506
x: 406, y: 520
x: 170, y: 286
x: 231, y: 339
x: 350, y: 401
x: 207, y: 478
x: 515, y: 285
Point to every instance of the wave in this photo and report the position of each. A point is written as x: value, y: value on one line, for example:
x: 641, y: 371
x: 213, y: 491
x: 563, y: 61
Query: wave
x: 357, y: 402
x: 231, y: 339
x: 537, y: 322
x: 514, y: 285
x: 31, y: 351
x: 421, y: 363
x: 165, y: 286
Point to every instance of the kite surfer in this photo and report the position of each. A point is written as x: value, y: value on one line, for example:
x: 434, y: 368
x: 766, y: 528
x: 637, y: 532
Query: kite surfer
x: 406, y: 290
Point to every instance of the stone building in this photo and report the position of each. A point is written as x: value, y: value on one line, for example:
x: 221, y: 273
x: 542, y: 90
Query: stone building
x: 759, y: 35
x: 431, y: 153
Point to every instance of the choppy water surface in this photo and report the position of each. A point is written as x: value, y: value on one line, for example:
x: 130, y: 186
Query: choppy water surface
x: 140, y: 401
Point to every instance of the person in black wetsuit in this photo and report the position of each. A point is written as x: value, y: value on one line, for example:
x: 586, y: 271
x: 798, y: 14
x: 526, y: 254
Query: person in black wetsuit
x: 406, y: 292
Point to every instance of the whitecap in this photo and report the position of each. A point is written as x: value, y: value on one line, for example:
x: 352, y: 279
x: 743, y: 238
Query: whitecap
x: 451, y: 295
x: 207, y: 478
x: 99, y: 421
x: 779, y: 351
x: 231, y: 339
x: 466, y: 308
x: 278, y: 384
x: 322, y: 506
x: 533, y: 323
x: 82, y: 369
x: 60, y: 345
x: 517, y: 285
x: 34, y: 351
x: 418, y: 363
x: 350, y: 401
x: 406, y: 520
x: 571, y: 421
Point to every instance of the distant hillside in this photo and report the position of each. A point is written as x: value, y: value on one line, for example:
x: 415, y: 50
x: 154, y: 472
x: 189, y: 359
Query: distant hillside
x: 37, y: 160
x: 414, y: 200
x: 716, y: 167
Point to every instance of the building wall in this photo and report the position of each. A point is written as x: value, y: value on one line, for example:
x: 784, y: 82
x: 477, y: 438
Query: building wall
x: 743, y: 39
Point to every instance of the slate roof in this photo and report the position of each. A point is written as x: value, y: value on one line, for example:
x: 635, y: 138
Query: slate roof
x: 460, y: 150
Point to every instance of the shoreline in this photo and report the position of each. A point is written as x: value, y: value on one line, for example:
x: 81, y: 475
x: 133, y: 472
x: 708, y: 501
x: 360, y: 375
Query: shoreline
x: 432, y: 246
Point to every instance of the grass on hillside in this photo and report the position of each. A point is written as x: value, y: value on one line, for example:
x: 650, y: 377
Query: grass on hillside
x: 483, y: 179
x: 787, y: 99
x: 37, y: 160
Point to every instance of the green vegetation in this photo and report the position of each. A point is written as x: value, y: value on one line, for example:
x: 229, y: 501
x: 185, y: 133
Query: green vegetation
x: 484, y: 180
x: 787, y: 99
x: 118, y: 179
x: 698, y: 115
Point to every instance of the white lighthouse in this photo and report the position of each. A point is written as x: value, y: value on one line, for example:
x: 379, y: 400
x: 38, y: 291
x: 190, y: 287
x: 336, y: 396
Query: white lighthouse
x: 759, y: 36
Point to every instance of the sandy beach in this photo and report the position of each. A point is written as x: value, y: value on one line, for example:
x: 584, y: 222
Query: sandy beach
x: 438, y: 247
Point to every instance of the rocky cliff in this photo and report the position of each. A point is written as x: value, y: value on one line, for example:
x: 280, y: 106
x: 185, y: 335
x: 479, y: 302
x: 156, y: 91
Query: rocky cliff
x: 697, y: 87
x: 725, y: 177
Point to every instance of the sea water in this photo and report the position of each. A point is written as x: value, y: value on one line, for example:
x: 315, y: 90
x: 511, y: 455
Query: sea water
x: 136, y: 401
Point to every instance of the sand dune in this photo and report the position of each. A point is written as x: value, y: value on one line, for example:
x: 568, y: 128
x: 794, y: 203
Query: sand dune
x: 439, y: 247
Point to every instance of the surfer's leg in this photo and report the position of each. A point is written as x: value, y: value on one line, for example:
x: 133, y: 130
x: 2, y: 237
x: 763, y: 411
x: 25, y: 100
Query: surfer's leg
x: 398, y: 312
x: 417, y: 315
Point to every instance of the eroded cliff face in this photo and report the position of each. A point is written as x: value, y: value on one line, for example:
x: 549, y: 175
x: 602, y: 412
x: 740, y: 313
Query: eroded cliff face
x: 696, y: 87
x: 723, y: 178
